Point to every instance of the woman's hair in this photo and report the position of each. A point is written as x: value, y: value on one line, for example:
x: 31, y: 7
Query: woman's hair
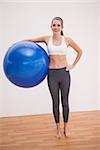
x: 61, y: 20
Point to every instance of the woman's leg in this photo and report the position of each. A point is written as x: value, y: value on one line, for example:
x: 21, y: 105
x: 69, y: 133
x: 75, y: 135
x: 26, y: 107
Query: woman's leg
x: 65, y: 87
x: 54, y: 91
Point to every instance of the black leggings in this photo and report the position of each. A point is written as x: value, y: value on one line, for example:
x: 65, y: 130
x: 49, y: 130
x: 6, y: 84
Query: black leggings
x: 59, y: 80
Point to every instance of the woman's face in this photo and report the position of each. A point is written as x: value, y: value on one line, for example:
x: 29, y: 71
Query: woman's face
x: 56, y: 26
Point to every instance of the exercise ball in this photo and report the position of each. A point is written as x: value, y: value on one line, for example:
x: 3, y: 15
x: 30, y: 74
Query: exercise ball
x: 26, y: 64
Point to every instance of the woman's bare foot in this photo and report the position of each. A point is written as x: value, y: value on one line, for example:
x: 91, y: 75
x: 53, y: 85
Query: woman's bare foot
x: 58, y: 134
x: 66, y: 130
x: 67, y: 133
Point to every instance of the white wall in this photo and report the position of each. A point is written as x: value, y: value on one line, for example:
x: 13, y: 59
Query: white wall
x: 1, y: 52
x: 98, y: 57
x: 25, y: 20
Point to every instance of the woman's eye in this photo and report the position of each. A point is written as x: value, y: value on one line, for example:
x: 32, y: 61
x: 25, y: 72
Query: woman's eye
x: 53, y: 25
x: 58, y: 25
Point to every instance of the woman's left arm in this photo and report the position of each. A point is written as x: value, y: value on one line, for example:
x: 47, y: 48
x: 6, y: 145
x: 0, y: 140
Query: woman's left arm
x: 72, y: 44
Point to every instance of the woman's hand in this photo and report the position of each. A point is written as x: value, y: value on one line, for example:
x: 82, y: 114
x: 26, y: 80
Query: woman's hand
x: 69, y: 67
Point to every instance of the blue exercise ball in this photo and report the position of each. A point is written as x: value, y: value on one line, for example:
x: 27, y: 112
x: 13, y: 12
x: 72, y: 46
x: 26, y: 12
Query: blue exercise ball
x: 26, y: 64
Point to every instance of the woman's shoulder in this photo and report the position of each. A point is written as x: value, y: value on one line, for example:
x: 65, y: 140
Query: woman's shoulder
x: 47, y: 37
x: 68, y: 39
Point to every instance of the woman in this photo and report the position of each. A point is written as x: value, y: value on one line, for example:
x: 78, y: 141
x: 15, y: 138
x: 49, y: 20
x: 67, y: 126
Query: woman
x: 58, y: 74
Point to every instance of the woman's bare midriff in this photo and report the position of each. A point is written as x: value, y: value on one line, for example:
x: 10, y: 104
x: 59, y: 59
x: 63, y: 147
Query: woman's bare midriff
x: 57, y: 61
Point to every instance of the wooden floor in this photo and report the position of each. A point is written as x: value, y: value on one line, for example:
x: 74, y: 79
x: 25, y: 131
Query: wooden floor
x: 38, y: 132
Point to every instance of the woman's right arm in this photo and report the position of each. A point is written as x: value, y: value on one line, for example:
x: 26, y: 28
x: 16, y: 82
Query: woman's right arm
x: 39, y: 39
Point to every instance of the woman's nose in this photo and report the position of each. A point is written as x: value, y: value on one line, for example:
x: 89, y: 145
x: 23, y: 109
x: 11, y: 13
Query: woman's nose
x: 56, y: 27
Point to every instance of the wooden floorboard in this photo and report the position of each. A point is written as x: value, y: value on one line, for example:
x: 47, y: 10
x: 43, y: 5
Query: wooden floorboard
x: 37, y: 132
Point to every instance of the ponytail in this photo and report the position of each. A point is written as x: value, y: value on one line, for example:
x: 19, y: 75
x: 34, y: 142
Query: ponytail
x: 62, y: 32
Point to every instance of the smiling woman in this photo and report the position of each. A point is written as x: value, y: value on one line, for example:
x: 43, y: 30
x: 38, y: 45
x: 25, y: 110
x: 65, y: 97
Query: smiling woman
x: 59, y: 70
x: 55, y: 24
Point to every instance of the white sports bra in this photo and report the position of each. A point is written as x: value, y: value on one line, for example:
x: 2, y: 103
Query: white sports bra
x: 57, y: 50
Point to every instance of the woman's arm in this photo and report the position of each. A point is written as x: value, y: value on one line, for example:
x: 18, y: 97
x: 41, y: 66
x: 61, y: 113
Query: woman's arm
x: 72, y: 44
x: 39, y: 39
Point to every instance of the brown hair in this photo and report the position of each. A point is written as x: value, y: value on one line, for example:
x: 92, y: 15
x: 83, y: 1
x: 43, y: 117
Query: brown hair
x: 61, y: 20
